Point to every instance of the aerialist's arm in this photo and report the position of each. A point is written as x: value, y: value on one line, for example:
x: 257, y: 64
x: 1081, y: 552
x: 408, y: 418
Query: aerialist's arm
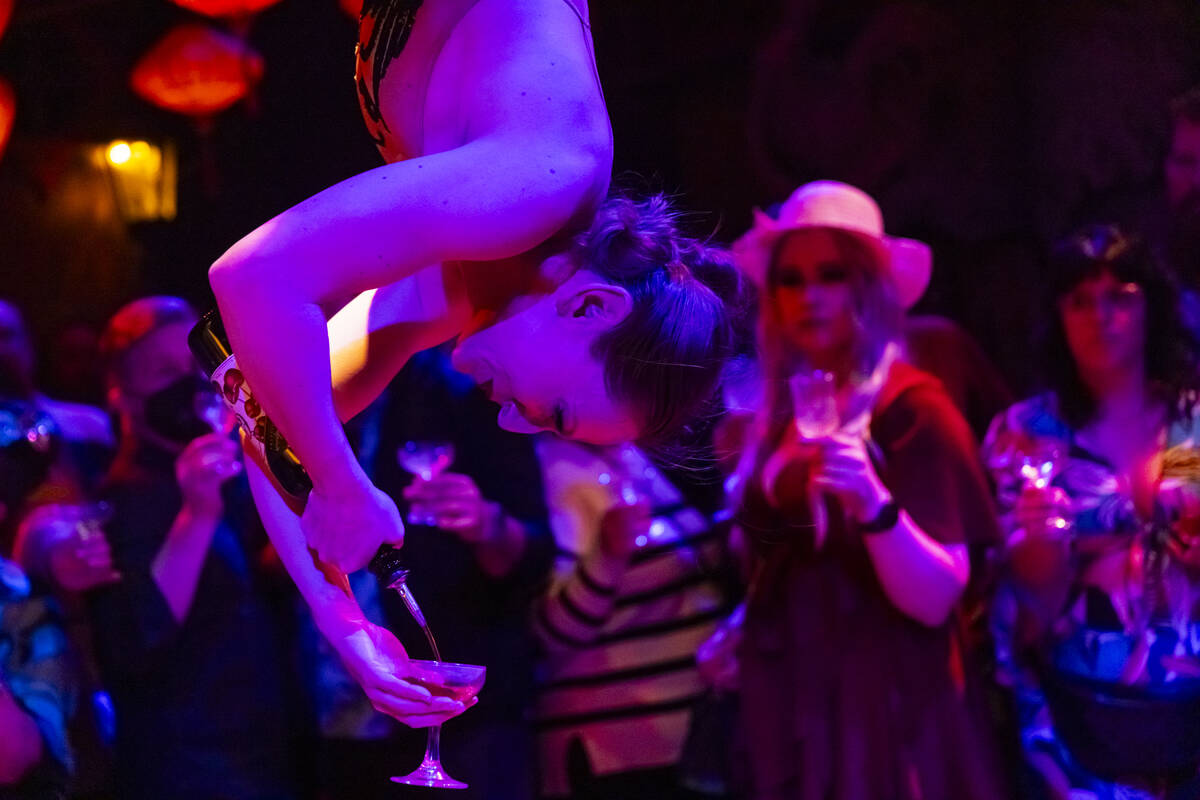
x: 372, y: 654
x: 536, y: 142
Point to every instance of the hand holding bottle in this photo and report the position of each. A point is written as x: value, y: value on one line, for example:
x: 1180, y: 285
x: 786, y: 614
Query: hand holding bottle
x: 347, y: 524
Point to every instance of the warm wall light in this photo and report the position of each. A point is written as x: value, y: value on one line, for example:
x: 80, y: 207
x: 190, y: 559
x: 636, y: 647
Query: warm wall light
x: 143, y: 177
x: 119, y: 153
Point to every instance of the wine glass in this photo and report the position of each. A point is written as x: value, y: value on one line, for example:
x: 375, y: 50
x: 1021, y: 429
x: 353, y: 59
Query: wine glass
x: 814, y: 407
x: 211, y: 408
x: 426, y: 460
x: 814, y: 403
x: 458, y: 682
x: 1038, y: 467
x: 90, y: 519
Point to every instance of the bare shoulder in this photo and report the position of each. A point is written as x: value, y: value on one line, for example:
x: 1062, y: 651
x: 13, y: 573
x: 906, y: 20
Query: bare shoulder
x: 528, y: 64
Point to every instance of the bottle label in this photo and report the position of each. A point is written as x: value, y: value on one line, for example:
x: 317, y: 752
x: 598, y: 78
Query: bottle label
x: 230, y: 383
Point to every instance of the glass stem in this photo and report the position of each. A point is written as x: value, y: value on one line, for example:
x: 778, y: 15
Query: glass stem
x: 433, y: 745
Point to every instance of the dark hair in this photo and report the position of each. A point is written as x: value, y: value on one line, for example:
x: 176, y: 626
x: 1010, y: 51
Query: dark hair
x: 136, y: 320
x: 1172, y: 354
x: 1186, y: 106
x: 666, y: 358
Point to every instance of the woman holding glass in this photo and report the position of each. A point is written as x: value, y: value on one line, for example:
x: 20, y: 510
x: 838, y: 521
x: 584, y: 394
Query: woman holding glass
x: 860, y: 517
x: 1098, y: 480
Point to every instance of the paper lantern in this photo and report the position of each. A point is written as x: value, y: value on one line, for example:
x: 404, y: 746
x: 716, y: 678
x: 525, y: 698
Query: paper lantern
x: 6, y: 8
x: 197, y: 70
x: 225, y: 8
x: 8, y: 112
x: 352, y: 7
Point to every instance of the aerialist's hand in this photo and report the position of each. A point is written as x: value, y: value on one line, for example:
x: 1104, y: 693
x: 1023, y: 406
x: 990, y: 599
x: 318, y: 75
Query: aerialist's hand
x: 378, y: 662
x: 347, y: 526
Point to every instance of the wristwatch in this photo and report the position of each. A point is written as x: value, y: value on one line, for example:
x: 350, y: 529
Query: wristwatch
x: 885, y: 520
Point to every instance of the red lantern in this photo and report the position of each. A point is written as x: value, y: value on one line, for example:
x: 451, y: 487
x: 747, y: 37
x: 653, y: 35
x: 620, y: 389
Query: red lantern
x: 6, y: 8
x: 352, y: 7
x: 226, y: 8
x: 8, y: 112
x: 197, y: 70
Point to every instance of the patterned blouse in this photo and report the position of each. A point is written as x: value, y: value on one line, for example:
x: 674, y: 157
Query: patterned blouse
x: 1131, y: 623
x: 36, y: 667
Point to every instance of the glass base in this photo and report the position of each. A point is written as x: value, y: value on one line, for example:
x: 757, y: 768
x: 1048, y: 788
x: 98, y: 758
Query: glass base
x: 430, y: 774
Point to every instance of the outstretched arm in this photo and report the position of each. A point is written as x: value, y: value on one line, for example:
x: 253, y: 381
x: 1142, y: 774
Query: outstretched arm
x: 372, y: 654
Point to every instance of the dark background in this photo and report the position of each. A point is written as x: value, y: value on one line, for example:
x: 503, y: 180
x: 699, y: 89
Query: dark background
x: 984, y: 127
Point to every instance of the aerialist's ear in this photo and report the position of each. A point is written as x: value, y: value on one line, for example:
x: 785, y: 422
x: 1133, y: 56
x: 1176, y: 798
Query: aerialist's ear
x: 598, y: 303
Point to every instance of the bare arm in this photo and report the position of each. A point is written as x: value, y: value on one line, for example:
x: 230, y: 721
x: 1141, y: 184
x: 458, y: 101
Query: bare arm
x: 372, y: 654
x: 205, y: 464
x: 922, y: 577
x: 373, y: 336
x: 530, y: 159
x: 176, y: 567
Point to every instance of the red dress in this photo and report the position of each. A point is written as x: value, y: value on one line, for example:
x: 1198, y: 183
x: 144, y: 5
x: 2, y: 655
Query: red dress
x: 843, y: 696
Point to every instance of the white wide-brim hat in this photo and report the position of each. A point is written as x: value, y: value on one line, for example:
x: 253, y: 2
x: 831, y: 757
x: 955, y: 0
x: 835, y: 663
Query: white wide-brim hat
x: 839, y: 206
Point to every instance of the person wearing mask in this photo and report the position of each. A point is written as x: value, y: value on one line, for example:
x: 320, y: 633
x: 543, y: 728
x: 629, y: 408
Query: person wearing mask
x: 187, y: 639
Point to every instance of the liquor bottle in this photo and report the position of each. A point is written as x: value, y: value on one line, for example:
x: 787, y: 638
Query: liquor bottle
x: 210, y: 346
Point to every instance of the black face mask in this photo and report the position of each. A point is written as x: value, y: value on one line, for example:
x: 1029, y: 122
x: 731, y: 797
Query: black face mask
x: 172, y: 413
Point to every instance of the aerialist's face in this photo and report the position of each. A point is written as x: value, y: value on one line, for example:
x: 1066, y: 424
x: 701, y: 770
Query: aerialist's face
x: 536, y: 361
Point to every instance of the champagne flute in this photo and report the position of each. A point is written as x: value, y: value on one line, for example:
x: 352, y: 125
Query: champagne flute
x: 90, y: 519
x: 458, y: 682
x: 211, y: 408
x: 1038, y: 467
x: 814, y: 403
x: 427, y: 460
x: 814, y: 408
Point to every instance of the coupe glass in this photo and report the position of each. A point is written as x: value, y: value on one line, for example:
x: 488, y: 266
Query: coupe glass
x: 426, y: 460
x: 457, y: 681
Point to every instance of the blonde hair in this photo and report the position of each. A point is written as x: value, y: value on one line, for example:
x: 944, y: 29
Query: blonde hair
x: 878, y: 318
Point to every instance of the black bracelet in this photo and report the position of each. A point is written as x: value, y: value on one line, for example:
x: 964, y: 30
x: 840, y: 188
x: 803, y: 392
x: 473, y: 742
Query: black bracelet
x: 887, y: 518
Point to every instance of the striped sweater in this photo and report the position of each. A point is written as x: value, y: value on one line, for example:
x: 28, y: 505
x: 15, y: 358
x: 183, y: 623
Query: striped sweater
x: 620, y: 635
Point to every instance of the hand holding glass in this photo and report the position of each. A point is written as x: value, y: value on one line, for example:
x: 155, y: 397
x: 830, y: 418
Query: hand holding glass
x: 426, y: 460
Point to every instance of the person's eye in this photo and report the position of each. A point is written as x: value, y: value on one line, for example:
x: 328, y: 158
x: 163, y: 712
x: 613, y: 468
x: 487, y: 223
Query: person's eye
x: 833, y: 274
x: 790, y: 279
